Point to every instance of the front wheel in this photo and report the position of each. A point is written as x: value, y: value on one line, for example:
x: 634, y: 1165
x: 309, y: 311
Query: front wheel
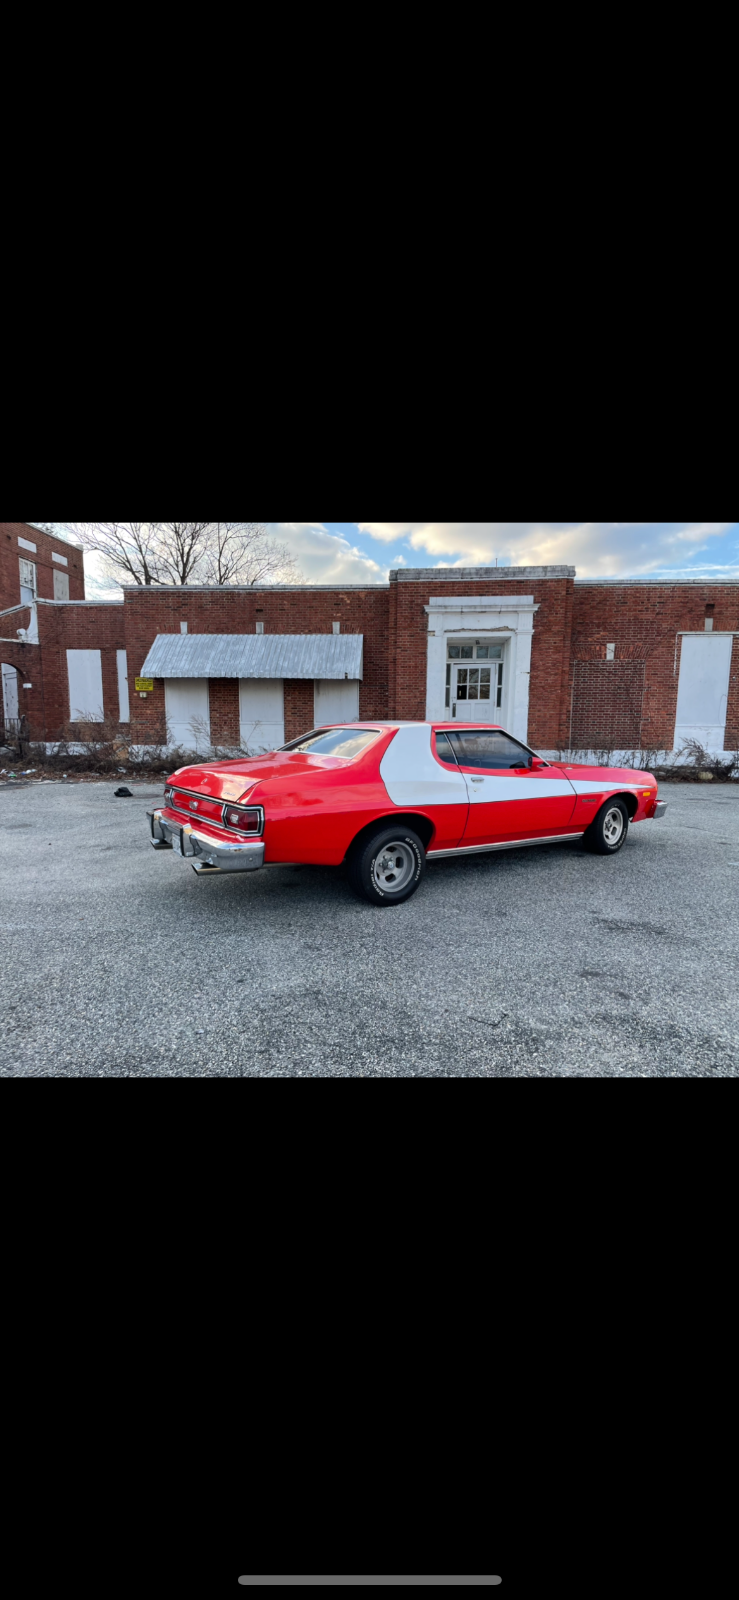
x: 388, y: 867
x: 607, y: 832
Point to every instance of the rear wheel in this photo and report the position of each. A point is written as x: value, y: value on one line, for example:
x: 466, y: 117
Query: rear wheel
x: 388, y: 867
x: 607, y: 833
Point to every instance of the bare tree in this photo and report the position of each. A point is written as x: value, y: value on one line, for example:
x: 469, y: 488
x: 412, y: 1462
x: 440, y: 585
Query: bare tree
x: 130, y: 549
x: 188, y: 552
x: 242, y: 552
x: 180, y: 549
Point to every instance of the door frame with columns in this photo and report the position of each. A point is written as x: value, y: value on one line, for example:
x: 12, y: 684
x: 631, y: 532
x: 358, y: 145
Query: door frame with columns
x: 498, y: 619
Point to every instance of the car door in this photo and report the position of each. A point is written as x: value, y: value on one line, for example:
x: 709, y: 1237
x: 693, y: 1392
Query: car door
x: 508, y: 798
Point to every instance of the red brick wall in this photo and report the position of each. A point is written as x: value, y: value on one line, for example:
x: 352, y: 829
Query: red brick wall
x: 224, y: 712
x: 607, y: 705
x: 299, y: 708
x: 11, y: 551
x: 26, y: 658
x: 84, y: 627
x: 644, y: 621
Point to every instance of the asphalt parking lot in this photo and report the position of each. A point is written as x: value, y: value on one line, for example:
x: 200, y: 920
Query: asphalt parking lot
x: 547, y: 962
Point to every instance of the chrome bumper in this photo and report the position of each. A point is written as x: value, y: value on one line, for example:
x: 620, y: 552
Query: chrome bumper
x: 659, y: 810
x: 205, y: 854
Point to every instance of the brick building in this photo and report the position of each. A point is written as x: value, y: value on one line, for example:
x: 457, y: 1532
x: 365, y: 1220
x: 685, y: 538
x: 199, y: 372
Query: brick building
x: 564, y: 663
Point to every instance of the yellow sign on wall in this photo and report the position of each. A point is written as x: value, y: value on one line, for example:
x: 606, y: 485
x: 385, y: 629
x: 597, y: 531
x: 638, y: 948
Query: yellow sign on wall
x: 144, y: 685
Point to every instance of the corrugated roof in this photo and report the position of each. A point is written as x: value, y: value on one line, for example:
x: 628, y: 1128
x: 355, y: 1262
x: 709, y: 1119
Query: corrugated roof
x: 266, y: 655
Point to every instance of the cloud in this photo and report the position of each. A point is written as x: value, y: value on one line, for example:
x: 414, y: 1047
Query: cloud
x: 325, y: 557
x: 597, y: 549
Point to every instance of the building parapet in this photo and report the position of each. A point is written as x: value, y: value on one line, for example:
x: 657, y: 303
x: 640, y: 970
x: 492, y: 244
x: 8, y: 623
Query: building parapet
x: 476, y: 574
x: 667, y: 583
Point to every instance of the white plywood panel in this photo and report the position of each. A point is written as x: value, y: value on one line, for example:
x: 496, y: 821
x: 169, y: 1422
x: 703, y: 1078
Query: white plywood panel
x: 335, y: 702
x: 124, y: 708
x: 188, y: 714
x: 703, y: 689
x: 262, y: 714
x: 85, y: 674
x: 61, y: 585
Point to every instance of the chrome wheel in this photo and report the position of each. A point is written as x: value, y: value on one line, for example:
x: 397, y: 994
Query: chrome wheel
x: 394, y: 867
x: 613, y: 825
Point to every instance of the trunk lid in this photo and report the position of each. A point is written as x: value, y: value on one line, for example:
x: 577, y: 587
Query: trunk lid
x: 233, y: 780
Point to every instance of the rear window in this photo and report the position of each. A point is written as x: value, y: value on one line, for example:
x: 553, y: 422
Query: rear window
x: 344, y: 742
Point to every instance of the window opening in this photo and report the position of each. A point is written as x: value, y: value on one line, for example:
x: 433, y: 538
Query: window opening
x: 28, y: 574
x: 344, y: 742
x: 494, y: 749
x: 445, y: 751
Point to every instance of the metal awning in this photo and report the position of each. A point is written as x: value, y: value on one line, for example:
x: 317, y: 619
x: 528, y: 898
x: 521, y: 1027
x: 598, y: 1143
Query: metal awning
x: 264, y: 655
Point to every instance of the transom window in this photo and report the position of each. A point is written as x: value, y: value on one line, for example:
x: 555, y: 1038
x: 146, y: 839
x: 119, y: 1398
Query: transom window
x: 474, y: 652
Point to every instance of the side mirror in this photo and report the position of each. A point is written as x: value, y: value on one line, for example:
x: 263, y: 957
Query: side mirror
x: 536, y: 762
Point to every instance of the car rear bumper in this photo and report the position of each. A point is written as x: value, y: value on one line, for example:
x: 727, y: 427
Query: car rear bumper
x: 205, y: 853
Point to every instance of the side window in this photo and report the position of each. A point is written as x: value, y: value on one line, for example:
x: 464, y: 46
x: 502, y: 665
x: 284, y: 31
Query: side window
x: 444, y: 750
x: 491, y: 749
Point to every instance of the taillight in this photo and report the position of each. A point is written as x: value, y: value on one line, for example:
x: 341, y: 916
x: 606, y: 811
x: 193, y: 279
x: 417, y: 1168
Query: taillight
x: 242, y: 821
x: 168, y: 796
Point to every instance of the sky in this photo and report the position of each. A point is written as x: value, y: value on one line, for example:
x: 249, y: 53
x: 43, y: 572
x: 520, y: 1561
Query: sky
x: 364, y: 552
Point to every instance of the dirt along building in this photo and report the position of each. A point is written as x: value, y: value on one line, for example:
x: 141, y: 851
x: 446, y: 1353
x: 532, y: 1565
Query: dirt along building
x: 564, y: 663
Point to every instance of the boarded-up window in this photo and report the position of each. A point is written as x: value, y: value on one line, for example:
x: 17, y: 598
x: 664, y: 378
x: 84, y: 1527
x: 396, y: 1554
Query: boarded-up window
x: 85, y: 672
x: 261, y: 714
x: 61, y: 586
x: 124, y: 708
x: 188, y: 714
x: 607, y: 705
x: 336, y: 701
x: 703, y: 689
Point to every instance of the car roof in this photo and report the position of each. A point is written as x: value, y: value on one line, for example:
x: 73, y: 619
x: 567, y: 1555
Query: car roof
x: 380, y: 723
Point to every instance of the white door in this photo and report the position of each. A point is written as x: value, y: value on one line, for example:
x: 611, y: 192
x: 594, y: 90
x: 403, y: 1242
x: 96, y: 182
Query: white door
x: 335, y: 701
x: 474, y: 681
x: 85, y: 675
x: 188, y: 714
x: 703, y: 689
x: 262, y: 708
x: 10, y: 692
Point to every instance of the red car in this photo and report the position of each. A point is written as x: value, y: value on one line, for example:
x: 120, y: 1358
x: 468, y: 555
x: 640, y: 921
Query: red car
x: 388, y: 797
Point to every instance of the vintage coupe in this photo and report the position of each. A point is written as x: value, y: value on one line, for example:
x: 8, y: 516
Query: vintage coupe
x: 388, y: 797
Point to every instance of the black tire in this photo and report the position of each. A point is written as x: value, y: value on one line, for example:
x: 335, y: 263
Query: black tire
x: 374, y: 874
x: 606, y: 835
